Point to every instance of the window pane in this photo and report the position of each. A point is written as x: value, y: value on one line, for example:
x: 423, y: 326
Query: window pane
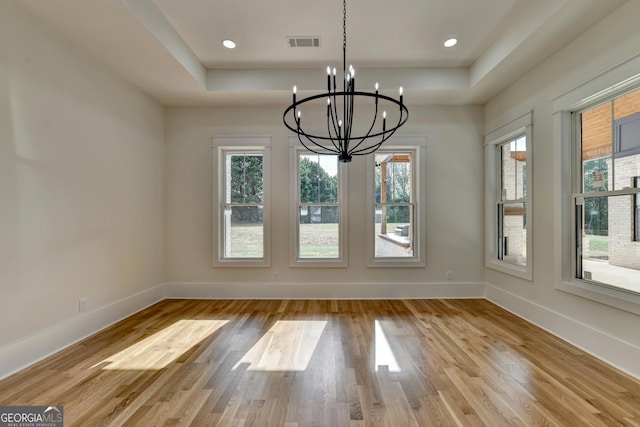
x: 596, y: 148
x: 244, y: 178
x: 243, y: 229
x: 393, y: 178
x: 513, y: 247
x: 595, y: 174
x: 319, y: 232
x: 626, y: 139
x: 318, y: 178
x: 609, y: 254
x: 393, y: 230
x: 514, y: 169
x: 626, y: 169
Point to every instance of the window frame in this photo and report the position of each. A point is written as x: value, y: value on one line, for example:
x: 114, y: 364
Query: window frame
x: 220, y: 147
x: 617, y: 81
x: 417, y: 146
x: 579, y: 194
x: 342, y: 261
x: 494, y: 140
x: 635, y: 207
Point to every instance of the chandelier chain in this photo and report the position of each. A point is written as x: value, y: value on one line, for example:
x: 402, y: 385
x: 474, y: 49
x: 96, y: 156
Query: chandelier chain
x: 344, y: 25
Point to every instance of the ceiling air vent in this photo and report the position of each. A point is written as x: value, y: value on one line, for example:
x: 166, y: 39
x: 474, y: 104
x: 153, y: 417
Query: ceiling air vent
x: 303, y: 41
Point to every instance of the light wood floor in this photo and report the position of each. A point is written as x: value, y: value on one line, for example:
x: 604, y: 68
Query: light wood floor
x: 327, y: 363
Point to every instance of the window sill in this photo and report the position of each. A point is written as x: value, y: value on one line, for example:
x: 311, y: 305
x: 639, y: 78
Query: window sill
x: 395, y: 263
x: 618, y: 298
x: 519, y: 271
x: 243, y: 263
x: 319, y: 263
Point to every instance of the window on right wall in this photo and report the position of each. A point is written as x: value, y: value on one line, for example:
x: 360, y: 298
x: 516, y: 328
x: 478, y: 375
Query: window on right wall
x: 508, y: 198
x: 606, y: 193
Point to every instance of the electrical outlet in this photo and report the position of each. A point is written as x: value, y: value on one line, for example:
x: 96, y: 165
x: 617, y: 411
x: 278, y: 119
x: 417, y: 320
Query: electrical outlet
x: 82, y: 305
x: 449, y: 274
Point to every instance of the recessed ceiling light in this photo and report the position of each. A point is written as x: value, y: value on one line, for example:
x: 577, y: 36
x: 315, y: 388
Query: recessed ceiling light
x: 450, y: 42
x: 229, y: 44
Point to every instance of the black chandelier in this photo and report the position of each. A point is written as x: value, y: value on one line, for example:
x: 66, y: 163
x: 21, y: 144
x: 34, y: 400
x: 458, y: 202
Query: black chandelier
x: 339, y: 139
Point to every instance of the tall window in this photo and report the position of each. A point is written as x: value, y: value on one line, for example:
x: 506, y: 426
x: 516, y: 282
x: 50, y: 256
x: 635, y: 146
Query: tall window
x: 320, y: 237
x: 396, y: 203
x: 241, y: 214
x: 511, y: 238
x: 509, y: 198
x: 605, y: 195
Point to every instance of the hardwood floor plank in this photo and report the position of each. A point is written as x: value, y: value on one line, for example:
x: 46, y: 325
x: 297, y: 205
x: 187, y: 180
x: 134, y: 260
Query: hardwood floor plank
x: 327, y: 363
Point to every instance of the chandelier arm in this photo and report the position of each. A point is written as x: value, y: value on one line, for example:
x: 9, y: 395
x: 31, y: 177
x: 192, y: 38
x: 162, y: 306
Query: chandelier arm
x: 334, y: 123
x: 331, y: 122
x: 351, y: 100
x: 370, y: 149
x: 385, y: 136
x: 367, y: 135
x: 314, y: 150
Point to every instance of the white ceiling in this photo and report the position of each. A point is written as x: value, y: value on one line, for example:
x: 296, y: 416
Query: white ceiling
x: 172, y: 49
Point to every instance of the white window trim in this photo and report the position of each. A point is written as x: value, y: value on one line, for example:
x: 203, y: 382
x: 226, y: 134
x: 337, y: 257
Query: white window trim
x: 295, y: 148
x: 616, y: 81
x: 416, y: 144
x: 517, y: 127
x: 218, y: 146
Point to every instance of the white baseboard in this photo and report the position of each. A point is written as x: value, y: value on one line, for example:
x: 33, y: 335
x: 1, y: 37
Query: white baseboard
x: 618, y: 353
x: 29, y: 350
x: 280, y: 290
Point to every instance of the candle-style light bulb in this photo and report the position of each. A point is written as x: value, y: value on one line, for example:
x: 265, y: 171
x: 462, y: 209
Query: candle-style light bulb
x: 401, y: 91
x: 384, y: 121
x: 328, y: 78
x: 352, y: 72
x: 334, y: 78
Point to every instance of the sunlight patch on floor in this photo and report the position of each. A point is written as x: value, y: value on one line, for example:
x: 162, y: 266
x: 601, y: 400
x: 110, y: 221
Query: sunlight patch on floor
x: 383, y: 352
x: 163, y: 347
x: 287, y: 346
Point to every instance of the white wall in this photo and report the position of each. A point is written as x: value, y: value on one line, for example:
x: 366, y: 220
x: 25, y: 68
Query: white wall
x: 454, y: 199
x: 603, y: 330
x: 81, y: 191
